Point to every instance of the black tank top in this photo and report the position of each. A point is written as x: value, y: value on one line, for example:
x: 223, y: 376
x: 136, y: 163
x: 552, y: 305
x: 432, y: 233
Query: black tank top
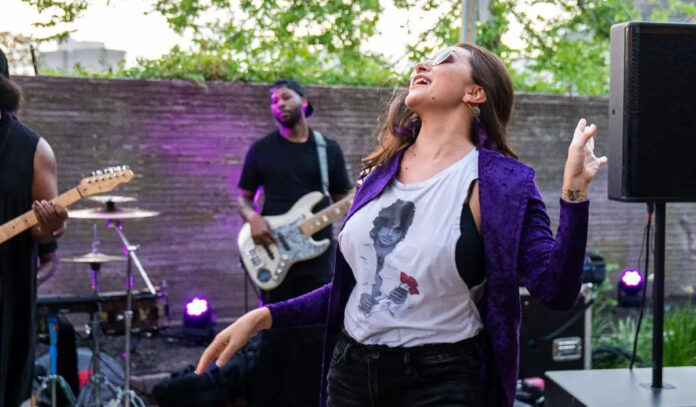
x: 17, y: 263
x: 469, y: 250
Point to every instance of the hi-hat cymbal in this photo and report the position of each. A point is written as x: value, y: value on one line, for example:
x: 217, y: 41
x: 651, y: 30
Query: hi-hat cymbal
x: 111, y: 213
x: 93, y: 258
x: 111, y: 198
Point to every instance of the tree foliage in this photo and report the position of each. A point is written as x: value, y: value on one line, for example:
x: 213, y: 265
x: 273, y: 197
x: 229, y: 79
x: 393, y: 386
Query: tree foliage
x: 17, y: 48
x: 566, y: 47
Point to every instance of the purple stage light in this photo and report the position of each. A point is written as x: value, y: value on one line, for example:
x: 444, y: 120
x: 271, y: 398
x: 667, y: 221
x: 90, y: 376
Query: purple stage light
x: 199, y: 320
x: 631, y: 278
x: 197, y: 307
x: 629, y: 288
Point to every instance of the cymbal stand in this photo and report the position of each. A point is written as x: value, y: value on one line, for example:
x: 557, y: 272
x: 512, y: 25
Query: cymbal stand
x: 126, y: 396
x: 90, y: 395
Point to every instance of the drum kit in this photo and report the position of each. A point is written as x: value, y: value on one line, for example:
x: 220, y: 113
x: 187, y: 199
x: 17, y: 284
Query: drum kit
x: 94, y: 392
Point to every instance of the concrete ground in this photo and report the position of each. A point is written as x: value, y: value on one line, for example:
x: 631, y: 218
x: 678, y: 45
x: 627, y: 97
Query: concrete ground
x: 154, y: 356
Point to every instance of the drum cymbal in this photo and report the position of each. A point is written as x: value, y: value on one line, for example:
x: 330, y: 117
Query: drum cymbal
x: 111, y: 213
x: 111, y: 198
x: 93, y: 258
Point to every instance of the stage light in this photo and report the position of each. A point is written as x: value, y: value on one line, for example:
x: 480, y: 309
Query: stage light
x: 630, y: 288
x: 199, y: 319
x: 197, y: 307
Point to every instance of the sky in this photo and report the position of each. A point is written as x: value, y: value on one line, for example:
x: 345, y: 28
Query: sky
x: 127, y: 25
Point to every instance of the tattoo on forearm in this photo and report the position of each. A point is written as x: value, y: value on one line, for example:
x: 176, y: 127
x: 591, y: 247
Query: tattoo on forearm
x: 575, y: 195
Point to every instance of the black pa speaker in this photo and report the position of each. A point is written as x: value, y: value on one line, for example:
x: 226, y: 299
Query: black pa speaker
x: 652, y: 112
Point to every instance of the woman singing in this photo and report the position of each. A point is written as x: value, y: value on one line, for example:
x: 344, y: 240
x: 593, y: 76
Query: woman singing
x: 424, y: 306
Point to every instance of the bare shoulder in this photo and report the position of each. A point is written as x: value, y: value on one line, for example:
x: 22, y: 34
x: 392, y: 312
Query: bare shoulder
x: 44, y: 158
x: 44, y: 181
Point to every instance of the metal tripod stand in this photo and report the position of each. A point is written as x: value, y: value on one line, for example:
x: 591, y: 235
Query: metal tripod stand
x: 127, y: 397
x: 91, y: 393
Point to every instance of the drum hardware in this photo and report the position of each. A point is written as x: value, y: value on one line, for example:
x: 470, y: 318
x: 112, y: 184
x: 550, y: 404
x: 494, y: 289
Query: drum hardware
x: 114, y: 215
x: 92, y: 388
x: 105, y: 199
x: 126, y: 396
x: 93, y: 258
x: 110, y: 211
x: 53, y: 379
x: 111, y: 214
x: 150, y: 312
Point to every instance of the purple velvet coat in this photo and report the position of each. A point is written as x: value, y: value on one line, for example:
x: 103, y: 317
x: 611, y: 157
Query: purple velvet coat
x: 518, y: 246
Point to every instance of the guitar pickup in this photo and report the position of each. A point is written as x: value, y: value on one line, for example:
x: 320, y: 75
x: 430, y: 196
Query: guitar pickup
x: 269, y: 252
x: 284, y: 242
x: 255, y: 259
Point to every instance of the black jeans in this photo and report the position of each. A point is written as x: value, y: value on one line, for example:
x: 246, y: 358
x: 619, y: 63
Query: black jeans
x: 437, y: 375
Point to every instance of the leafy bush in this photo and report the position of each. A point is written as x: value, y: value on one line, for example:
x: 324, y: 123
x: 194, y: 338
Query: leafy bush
x: 612, y: 338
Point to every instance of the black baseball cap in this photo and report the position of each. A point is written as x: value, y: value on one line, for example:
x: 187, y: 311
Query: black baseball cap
x: 4, y: 66
x: 295, y: 86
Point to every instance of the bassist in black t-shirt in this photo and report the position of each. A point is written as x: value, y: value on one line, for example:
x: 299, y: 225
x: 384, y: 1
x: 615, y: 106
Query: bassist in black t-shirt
x: 286, y: 164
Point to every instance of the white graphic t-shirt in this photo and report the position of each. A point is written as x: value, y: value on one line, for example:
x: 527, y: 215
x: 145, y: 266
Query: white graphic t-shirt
x: 401, y: 248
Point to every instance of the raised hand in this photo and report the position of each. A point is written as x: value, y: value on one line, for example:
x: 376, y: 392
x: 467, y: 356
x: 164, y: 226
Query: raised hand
x: 582, y: 164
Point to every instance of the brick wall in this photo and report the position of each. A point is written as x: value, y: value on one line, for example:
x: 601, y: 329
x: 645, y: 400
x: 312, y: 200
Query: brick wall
x: 187, y: 144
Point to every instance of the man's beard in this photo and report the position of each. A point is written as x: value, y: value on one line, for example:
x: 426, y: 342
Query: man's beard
x: 293, y: 118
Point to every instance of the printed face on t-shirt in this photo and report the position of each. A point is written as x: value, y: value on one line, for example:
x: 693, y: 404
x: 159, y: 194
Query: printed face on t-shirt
x: 389, y: 235
x: 390, y: 226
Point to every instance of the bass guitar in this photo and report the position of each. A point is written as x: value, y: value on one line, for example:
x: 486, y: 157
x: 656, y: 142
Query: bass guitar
x: 267, y: 265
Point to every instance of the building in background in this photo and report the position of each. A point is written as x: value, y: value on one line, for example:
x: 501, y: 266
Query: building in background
x: 92, y: 56
x: 645, y: 7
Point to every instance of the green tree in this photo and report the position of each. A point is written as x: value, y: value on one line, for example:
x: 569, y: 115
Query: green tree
x: 567, y: 51
x: 571, y: 54
x: 253, y: 40
x: 322, y: 41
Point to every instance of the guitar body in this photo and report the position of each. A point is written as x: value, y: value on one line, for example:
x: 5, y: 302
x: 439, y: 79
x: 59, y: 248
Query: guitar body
x: 268, y: 265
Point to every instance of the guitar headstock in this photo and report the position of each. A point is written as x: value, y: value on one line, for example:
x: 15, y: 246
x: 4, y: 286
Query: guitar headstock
x: 105, y: 180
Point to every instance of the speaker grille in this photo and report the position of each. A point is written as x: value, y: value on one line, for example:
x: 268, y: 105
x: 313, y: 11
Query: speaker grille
x: 659, y: 134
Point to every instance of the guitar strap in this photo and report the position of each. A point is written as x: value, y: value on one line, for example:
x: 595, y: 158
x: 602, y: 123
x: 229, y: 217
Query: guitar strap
x: 323, y: 162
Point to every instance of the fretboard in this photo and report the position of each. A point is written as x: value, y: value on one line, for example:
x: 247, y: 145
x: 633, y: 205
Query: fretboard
x: 323, y: 218
x: 28, y: 219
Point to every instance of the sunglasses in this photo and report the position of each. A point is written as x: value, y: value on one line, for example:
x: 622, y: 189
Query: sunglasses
x: 441, y: 57
x: 438, y: 59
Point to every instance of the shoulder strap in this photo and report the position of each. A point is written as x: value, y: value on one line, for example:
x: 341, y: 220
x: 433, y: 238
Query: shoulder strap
x: 323, y: 163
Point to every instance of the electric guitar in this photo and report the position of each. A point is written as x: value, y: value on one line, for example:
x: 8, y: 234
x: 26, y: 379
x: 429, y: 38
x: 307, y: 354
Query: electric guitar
x: 268, y: 265
x: 100, y: 182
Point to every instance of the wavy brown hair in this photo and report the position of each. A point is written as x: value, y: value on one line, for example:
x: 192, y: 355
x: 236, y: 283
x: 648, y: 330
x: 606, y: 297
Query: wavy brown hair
x: 399, y: 125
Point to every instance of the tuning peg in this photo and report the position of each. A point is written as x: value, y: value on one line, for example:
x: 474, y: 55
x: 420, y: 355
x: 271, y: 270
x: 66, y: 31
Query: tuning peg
x: 94, y: 173
x: 99, y: 172
x: 125, y: 167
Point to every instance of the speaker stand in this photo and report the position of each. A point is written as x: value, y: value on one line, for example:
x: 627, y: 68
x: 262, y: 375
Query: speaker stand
x: 658, y: 294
